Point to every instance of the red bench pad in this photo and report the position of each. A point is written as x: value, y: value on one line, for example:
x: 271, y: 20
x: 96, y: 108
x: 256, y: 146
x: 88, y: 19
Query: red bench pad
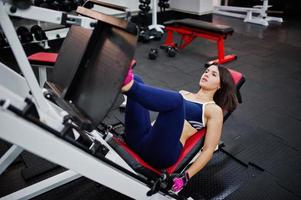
x: 43, y: 58
x: 190, y: 149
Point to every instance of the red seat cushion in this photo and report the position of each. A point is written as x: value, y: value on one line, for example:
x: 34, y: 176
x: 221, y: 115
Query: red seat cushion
x: 43, y: 58
x: 190, y: 149
x: 133, y: 160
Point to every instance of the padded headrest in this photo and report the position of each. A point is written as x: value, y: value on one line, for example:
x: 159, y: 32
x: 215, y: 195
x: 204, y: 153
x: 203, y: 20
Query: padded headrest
x: 237, y: 76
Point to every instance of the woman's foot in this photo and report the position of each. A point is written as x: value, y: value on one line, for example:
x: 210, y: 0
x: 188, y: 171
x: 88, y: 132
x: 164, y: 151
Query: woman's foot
x: 128, y: 81
x: 126, y: 87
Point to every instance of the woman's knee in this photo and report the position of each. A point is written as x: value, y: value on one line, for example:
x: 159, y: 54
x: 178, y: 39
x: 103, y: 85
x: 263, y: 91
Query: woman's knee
x: 179, y: 100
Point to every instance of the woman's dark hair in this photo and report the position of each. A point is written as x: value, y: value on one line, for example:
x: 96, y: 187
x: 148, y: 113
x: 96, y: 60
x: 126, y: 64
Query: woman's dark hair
x: 225, y: 97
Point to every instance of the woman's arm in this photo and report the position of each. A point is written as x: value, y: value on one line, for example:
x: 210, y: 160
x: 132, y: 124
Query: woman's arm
x: 214, y: 115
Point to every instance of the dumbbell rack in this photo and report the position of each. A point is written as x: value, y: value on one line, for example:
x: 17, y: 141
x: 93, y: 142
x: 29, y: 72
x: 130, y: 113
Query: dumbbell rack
x: 155, y: 24
x: 31, y: 38
x: 144, y: 9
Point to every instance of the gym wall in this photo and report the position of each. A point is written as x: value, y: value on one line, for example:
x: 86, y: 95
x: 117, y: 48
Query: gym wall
x: 198, y: 7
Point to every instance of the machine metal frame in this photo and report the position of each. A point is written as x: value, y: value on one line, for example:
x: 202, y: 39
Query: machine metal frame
x: 111, y: 170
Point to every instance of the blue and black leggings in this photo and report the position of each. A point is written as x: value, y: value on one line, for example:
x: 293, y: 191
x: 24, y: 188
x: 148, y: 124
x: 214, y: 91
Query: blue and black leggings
x: 159, y: 145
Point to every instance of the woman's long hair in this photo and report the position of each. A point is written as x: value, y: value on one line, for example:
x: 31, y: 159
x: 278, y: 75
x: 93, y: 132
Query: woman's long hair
x: 225, y: 96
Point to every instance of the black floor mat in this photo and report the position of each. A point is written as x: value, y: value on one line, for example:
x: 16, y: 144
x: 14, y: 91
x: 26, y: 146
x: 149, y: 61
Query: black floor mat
x: 221, y: 177
x: 263, y: 186
x: 272, y: 154
x: 35, y: 166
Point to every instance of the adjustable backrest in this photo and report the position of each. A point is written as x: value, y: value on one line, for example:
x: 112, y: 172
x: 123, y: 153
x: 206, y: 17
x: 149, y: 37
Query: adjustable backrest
x: 192, y: 146
x: 239, y: 80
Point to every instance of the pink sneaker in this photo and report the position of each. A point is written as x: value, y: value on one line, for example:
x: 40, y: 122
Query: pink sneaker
x: 133, y: 63
x: 129, y: 77
x: 130, y: 74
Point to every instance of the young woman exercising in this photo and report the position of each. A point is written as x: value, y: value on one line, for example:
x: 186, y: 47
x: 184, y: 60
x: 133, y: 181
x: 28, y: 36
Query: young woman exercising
x: 181, y: 114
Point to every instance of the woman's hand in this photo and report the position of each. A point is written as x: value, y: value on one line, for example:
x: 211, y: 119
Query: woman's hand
x: 179, y: 181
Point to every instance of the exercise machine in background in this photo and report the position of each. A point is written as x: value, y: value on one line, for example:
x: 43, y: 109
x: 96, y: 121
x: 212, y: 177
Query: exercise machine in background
x: 256, y: 14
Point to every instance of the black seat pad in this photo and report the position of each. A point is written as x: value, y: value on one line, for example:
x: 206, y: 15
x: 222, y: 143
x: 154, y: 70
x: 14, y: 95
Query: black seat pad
x: 201, y: 25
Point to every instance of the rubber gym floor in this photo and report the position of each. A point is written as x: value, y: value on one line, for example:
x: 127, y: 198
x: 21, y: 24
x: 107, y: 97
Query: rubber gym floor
x: 261, y: 157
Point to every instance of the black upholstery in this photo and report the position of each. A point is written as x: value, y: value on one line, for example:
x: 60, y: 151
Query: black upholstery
x: 202, y: 25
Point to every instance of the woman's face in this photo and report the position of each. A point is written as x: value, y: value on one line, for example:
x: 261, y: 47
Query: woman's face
x: 210, y: 79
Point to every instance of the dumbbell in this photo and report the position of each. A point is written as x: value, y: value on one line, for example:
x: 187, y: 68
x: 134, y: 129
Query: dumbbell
x: 163, y: 4
x: 144, y: 7
x: 24, y: 34
x: 42, y: 4
x: 157, y: 35
x: 67, y: 5
x: 171, y: 51
x: 55, y: 5
x: 144, y: 36
x: 78, y: 2
x: 61, y: 5
x: 153, y: 53
x: 38, y: 33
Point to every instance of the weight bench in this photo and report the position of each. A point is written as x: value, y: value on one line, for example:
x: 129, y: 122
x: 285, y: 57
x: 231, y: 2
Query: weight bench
x: 189, y: 29
x: 192, y: 146
x: 42, y: 60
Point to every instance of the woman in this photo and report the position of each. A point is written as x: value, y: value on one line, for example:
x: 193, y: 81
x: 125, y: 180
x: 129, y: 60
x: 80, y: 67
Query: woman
x: 181, y: 114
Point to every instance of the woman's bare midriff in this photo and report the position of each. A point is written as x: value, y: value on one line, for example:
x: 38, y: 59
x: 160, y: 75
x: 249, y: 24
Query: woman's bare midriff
x: 187, y: 131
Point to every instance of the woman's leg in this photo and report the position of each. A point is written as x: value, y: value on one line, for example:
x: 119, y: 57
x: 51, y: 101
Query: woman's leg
x: 137, y: 120
x: 153, y: 98
x: 161, y: 145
